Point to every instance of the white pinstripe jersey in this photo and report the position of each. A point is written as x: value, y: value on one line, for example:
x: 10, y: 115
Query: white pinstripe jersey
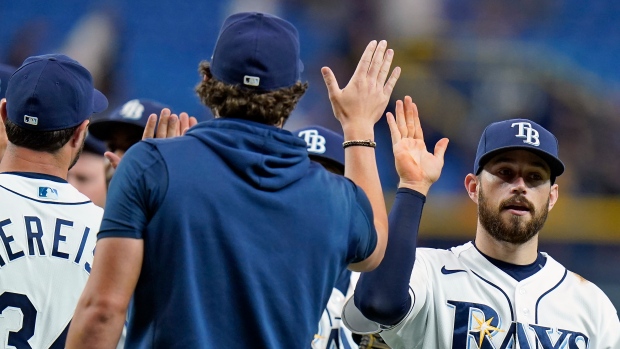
x: 332, y: 334
x: 47, y: 236
x: 463, y: 301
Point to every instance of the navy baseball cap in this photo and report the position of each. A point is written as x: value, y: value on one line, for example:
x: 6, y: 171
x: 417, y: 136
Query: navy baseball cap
x: 134, y: 114
x: 52, y: 92
x: 323, y: 144
x: 518, y: 134
x: 5, y: 74
x: 258, y: 51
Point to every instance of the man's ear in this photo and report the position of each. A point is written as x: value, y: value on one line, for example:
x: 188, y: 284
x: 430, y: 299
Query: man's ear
x: 3, y: 112
x: 553, y: 196
x: 80, y: 134
x: 471, y: 185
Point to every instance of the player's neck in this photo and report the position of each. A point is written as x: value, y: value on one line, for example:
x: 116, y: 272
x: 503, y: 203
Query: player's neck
x: 19, y: 159
x: 519, y: 254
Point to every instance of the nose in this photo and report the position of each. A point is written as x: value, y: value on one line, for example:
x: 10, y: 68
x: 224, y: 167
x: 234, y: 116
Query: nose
x: 519, y: 186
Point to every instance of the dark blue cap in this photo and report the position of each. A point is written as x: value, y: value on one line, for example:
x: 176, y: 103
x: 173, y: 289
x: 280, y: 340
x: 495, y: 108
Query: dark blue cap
x: 518, y: 134
x: 5, y: 74
x: 257, y: 51
x: 133, y: 114
x: 52, y: 92
x: 324, y: 144
x: 94, y: 145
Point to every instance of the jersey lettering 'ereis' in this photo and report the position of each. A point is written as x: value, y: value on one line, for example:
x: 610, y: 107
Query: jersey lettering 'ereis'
x: 33, y: 233
x: 47, y: 237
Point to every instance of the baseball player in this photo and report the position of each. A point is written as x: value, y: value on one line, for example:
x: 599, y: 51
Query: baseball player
x: 47, y: 228
x: 88, y: 173
x: 497, y: 291
x: 210, y: 235
x: 134, y: 121
x: 325, y: 147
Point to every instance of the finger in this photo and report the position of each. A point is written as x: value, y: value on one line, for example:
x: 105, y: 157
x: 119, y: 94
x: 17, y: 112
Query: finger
x: 173, y: 126
x: 149, y: 129
x: 183, y: 121
x: 419, y: 134
x: 192, y: 121
x: 389, y: 85
x: 385, y: 67
x: 330, y: 81
x: 410, y: 116
x: 394, y: 132
x: 377, y: 60
x: 112, y: 158
x: 366, y: 60
x: 440, y: 148
x: 162, y: 127
x: 400, y: 119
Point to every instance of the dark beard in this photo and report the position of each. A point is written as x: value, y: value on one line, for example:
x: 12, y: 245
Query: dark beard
x: 516, y: 231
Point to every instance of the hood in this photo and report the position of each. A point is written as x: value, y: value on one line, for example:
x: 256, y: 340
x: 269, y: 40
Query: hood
x: 268, y: 157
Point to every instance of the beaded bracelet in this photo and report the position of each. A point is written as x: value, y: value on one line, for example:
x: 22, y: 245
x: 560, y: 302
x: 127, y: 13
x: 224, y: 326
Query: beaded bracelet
x: 364, y: 143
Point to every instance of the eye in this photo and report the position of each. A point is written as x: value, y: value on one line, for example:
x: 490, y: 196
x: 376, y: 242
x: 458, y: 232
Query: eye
x: 504, y: 172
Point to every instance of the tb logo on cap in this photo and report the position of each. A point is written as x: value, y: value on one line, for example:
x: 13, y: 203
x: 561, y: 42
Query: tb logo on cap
x: 526, y: 131
x: 132, y: 110
x: 316, y: 142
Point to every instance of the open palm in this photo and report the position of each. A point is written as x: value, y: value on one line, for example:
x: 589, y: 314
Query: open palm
x: 417, y: 168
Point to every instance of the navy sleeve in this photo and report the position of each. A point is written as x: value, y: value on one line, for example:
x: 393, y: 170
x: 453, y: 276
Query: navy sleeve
x: 137, y: 187
x: 362, y: 228
x: 382, y: 295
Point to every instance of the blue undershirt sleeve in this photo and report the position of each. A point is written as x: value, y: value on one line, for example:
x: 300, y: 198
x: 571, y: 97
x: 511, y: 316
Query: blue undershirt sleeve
x: 382, y: 295
x: 137, y: 187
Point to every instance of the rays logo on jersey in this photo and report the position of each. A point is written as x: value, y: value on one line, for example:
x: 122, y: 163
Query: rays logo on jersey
x: 316, y: 142
x: 48, y: 193
x: 476, y: 325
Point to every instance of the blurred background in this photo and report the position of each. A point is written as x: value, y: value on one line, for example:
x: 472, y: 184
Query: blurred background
x: 465, y: 63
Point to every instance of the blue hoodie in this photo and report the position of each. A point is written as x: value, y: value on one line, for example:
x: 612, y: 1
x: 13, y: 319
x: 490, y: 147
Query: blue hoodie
x: 244, y: 237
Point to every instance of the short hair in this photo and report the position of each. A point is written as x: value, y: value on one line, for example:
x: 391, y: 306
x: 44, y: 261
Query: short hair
x: 45, y: 141
x: 233, y: 101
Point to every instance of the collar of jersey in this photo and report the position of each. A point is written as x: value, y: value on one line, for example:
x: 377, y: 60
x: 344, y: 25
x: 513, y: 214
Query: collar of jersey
x: 518, y: 272
x: 36, y: 175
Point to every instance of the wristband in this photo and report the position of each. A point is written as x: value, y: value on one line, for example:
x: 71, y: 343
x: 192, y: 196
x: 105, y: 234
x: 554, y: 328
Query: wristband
x: 364, y: 143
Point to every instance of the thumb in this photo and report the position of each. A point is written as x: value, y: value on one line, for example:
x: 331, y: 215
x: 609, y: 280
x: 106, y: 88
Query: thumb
x: 113, y: 158
x: 330, y: 81
x: 440, y: 148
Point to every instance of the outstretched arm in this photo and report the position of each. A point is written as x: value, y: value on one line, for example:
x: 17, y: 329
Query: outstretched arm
x: 383, y: 294
x: 358, y: 107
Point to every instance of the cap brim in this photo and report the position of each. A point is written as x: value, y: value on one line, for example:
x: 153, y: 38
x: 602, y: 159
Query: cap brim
x: 555, y: 165
x: 100, y: 102
x: 355, y: 321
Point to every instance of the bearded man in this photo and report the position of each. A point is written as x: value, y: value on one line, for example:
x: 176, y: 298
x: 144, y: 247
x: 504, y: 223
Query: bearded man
x: 498, y: 291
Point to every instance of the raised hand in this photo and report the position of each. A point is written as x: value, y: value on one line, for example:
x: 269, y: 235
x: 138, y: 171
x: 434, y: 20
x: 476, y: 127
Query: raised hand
x: 417, y: 168
x: 362, y: 102
x: 170, y: 125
